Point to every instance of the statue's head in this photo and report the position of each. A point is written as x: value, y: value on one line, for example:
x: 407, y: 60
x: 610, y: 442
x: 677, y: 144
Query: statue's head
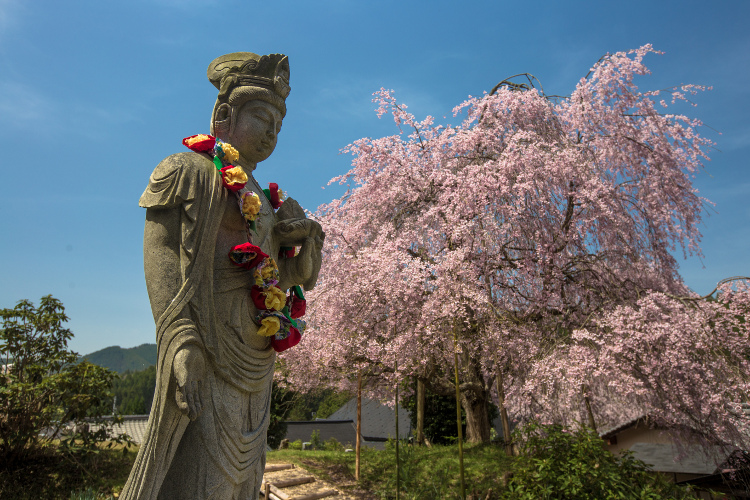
x: 251, y: 101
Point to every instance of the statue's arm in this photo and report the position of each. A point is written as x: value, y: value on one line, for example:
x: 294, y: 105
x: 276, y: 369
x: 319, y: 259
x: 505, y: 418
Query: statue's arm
x: 161, y: 257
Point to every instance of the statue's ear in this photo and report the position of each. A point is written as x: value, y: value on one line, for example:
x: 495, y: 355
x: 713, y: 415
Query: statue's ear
x: 222, y: 120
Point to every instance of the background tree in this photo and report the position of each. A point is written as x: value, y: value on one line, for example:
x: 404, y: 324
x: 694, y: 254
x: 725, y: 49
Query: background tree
x: 134, y: 391
x: 439, y: 419
x: 282, y: 401
x: 528, y: 221
x: 684, y: 362
x: 43, y: 390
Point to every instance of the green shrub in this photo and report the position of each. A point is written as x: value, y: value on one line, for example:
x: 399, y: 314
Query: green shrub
x: 332, y: 444
x: 315, y: 441
x: 46, y: 395
x: 560, y: 463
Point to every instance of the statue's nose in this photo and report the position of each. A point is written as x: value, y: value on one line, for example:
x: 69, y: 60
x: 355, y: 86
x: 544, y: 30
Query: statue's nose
x: 271, y: 133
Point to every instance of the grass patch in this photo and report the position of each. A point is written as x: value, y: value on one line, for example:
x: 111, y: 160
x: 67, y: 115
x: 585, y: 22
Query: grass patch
x: 426, y: 473
x: 57, y: 476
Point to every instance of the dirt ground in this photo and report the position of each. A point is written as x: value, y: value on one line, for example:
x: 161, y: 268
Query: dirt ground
x: 341, y: 478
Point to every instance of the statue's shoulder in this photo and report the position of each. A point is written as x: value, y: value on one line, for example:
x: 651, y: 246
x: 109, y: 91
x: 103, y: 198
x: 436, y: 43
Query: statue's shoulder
x: 177, y: 178
x: 183, y: 164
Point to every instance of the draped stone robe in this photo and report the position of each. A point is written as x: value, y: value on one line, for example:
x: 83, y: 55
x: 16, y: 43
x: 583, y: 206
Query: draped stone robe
x: 222, y: 453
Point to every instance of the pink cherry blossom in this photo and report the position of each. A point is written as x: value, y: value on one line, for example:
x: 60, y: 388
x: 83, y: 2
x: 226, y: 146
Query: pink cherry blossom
x: 541, y: 233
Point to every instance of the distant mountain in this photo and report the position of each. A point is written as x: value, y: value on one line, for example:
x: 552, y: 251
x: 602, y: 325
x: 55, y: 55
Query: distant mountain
x: 121, y: 360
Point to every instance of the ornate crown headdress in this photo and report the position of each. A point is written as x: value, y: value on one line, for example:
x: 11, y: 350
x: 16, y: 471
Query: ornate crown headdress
x: 243, y: 75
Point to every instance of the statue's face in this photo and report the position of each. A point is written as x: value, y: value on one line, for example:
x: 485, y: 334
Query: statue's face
x: 255, y: 130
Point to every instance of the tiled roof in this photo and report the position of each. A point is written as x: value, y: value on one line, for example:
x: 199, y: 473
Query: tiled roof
x: 133, y: 425
x: 608, y: 433
x: 378, y: 420
x: 661, y: 458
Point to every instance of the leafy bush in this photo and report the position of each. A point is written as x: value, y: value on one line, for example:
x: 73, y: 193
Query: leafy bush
x: 45, y: 395
x: 439, y: 416
x: 134, y: 391
x: 332, y: 444
x: 281, y: 404
x: 560, y: 463
x: 315, y: 442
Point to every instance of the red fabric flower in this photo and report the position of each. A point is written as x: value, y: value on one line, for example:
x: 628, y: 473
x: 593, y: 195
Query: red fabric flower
x: 200, y: 143
x: 273, y: 189
x: 271, y: 298
x: 246, y: 255
x: 233, y: 178
x: 296, y: 306
x: 290, y: 341
x: 259, y: 298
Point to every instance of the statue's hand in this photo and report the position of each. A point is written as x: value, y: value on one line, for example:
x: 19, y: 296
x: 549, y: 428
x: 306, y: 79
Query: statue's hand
x: 304, y: 268
x: 295, y: 229
x: 190, y: 371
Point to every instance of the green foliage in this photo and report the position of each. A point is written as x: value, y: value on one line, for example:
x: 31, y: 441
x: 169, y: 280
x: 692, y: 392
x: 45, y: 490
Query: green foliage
x: 122, y: 360
x: 55, y: 476
x: 281, y: 404
x: 317, y: 404
x: 333, y: 444
x: 45, y: 395
x: 440, y: 416
x: 332, y: 401
x: 135, y: 391
x: 558, y: 463
x: 315, y: 441
x: 426, y: 473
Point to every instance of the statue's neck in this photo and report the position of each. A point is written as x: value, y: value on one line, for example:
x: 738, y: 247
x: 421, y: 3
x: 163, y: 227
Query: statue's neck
x: 246, y: 165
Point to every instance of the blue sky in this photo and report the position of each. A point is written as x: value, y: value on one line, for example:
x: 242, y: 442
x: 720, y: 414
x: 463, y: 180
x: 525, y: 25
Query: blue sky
x: 93, y: 94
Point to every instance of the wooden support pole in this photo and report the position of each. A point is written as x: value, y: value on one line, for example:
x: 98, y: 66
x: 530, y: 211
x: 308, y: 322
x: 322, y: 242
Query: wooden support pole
x: 420, y: 411
x: 398, y: 463
x: 503, y: 411
x: 458, y: 416
x: 359, y: 425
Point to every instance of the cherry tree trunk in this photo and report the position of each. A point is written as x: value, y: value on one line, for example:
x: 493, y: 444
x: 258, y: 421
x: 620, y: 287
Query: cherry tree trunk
x: 420, y: 411
x: 477, y: 419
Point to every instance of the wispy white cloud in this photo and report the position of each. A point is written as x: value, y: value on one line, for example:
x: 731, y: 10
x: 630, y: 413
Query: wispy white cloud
x: 24, y: 108
x: 9, y: 11
x: 22, y: 105
x: 736, y: 139
x: 343, y: 98
x: 184, y: 5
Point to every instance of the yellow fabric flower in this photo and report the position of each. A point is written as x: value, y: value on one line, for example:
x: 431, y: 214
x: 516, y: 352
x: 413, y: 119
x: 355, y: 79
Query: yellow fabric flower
x: 266, y: 272
x: 235, y: 175
x: 250, y: 205
x: 231, y: 155
x: 197, y: 138
x: 269, y: 270
x: 258, y: 277
x: 275, y: 298
x: 269, y: 326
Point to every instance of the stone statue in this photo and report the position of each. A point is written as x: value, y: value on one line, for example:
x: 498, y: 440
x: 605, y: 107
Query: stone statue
x: 206, y: 436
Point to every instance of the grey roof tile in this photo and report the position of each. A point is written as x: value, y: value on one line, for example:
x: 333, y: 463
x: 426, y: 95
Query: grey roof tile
x: 661, y: 458
x: 378, y: 420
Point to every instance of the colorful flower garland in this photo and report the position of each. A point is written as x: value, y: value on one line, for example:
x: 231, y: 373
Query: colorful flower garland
x: 279, y: 316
